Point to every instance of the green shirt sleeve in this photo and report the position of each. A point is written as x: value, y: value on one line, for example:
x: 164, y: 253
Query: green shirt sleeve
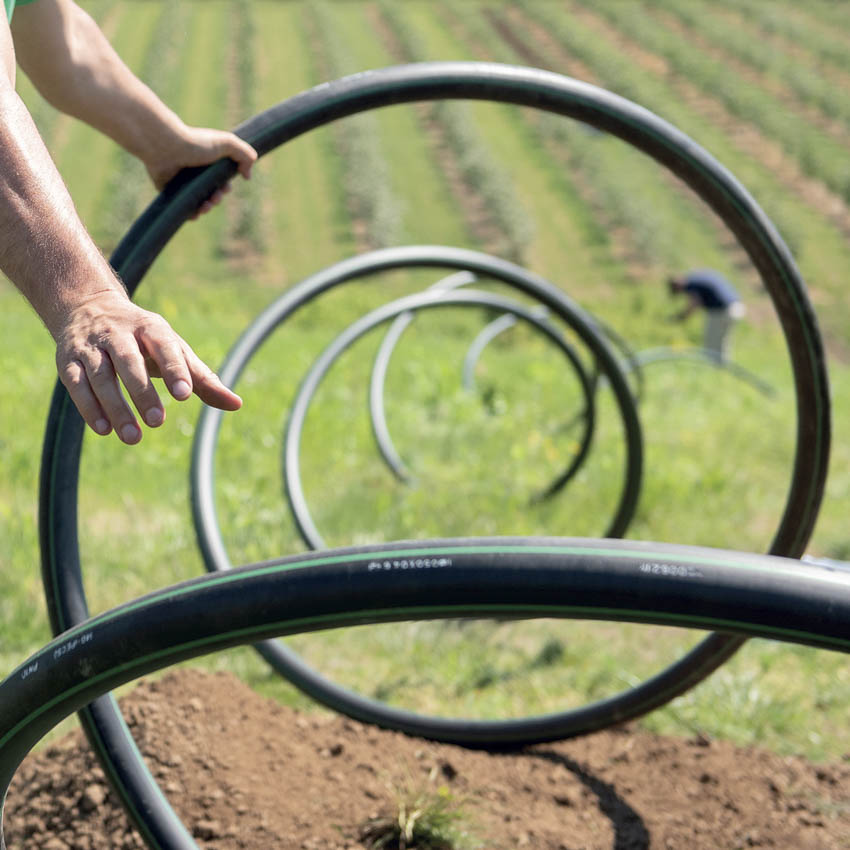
x: 10, y: 6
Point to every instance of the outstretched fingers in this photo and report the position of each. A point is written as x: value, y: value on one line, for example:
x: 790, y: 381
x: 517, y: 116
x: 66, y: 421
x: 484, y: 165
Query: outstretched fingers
x: 128, y: 361
x: 92, y: 383
x: 184, y: 372
x: 76, y: 381
x: 208, y: 386
x: 109, y: 342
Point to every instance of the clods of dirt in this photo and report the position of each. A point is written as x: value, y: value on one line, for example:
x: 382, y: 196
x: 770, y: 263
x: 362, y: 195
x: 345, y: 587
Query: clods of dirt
x: 244, y: 772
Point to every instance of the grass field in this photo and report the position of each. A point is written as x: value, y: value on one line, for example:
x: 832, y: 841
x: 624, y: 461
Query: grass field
x: 763, y: 87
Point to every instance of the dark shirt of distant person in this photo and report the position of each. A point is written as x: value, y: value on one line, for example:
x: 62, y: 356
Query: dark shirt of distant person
x: 709, y: 291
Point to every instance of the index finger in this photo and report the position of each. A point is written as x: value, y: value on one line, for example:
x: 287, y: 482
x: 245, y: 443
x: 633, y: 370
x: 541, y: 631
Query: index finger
x: 243, y: 154
x: 207, y: 385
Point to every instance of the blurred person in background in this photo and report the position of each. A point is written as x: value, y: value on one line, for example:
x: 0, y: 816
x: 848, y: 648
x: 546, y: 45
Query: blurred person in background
x: 709, y: 291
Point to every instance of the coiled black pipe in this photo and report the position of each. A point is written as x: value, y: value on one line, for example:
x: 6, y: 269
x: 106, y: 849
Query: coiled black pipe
x: 61, y: 568
x: 435, y: 298
x: 212, y: 545
x: 377, y: 409
x: 755, y: 595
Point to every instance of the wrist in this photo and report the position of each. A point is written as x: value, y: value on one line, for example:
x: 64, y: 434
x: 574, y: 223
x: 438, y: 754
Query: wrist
x: 68, y: 298
x: 161, y: 147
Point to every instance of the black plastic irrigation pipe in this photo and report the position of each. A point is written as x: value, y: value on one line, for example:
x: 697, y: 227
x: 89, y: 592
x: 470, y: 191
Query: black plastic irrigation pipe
x: 236, y: 362
x: 686, y: 586
x: 430, y: 256
x: 377, y: 380
x: 666, y: 354
x: 485, y: 336
x: 61, y: 568
x: 504, y: 323
x: 408, y: 306
x: 213, y: 548
x: 377, y: 408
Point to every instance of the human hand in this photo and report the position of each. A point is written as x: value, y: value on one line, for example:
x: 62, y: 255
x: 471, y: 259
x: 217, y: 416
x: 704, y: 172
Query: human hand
x: 108, y: 338
x: 195, y: 146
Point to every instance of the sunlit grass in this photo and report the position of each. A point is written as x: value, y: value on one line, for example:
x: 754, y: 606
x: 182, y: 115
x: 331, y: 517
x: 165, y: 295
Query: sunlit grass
x: 717, y: 453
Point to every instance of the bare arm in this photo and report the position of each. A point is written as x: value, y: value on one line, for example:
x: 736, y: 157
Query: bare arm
x: 100, y: 334
x: 62, y: 50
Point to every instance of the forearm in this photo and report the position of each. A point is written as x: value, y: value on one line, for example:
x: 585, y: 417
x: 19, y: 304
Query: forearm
x: 103, y: 340
x: 74, y: 67
x: 44, y: 247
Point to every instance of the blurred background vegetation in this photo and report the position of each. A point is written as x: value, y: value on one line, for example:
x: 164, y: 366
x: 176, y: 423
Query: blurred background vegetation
x: 764, y: 87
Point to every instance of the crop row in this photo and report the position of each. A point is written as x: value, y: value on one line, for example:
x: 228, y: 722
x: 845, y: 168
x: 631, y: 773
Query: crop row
x: 568, y: 147
x: 623, y: 191
x: 480, y: 173
x: 618, y: 70
x: 792, y: 22
x: 371, y: 199
x: 818, y: 155
x: 808, y: 85
x: 127, y: 181
x: 244, y: 235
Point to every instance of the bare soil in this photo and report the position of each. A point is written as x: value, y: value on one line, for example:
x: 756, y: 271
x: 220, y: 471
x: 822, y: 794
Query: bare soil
x: 244, y: 772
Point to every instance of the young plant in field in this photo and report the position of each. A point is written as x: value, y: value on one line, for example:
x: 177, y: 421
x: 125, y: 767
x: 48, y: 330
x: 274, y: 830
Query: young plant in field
x: 420, y: 819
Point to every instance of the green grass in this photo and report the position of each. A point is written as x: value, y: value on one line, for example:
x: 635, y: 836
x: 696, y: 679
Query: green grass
x: 718, y: 454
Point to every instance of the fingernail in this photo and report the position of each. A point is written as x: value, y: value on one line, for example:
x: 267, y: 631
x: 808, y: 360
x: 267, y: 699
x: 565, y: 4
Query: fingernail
x: 131, y: 434
x: 154, y: 417
x: 181, y: 389
x: 102, y: 426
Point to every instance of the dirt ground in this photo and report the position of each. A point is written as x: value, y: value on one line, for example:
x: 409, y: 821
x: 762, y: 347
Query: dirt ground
x: 244, y: 772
